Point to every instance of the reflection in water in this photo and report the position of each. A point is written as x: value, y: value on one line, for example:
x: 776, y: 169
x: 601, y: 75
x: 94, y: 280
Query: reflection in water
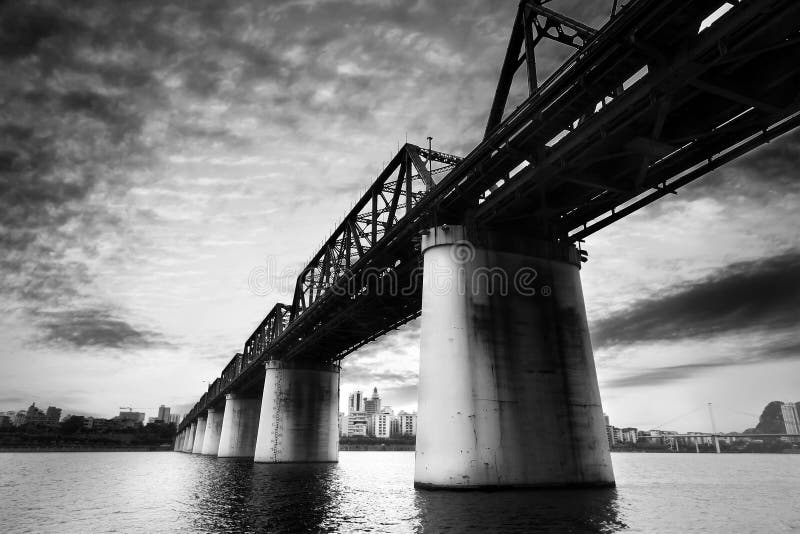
x: 223, y: 491
x: 584, y: 510
x: 233, y: 495
x: 302, y: 496
x: 236, y: 495
x: 153, y: 493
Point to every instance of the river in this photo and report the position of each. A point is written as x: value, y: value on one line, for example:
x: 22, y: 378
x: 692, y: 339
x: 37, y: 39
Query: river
x: 152, y: 492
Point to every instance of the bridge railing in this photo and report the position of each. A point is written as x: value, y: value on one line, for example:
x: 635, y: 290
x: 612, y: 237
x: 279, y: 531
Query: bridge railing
x: 409, y: 176
x: 269, y: 329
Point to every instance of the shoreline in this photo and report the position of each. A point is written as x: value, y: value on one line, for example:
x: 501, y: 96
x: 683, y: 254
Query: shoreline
x: 142, y: 448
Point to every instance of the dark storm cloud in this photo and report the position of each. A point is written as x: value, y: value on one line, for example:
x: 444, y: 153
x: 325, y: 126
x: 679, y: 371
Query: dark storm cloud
x: 761, y: 295
x: 661, y: 375
x: 94, y: 328
x: 774, y: 350
x: 23, y: 26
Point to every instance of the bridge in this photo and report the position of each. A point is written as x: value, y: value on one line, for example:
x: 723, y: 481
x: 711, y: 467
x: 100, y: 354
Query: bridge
x: 488, y: 247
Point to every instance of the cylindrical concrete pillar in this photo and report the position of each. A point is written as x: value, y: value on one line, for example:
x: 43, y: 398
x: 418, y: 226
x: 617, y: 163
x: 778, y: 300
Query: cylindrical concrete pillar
x: 212, y: 434
x: 178, y: 442
x: 198, y: 435
x: 189, y: 442
x: 508, y: 393
x: 239, y: 427
x: 299, y: 413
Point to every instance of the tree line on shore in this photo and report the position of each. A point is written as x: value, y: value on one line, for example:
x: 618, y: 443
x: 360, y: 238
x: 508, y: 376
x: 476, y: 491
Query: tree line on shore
x: 72, y: 432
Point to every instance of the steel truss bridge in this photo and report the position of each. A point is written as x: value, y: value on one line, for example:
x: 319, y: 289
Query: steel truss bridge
x: 663, y: 93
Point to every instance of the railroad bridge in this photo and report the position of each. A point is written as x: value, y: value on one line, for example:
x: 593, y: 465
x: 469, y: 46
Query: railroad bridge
x: 487, y: 248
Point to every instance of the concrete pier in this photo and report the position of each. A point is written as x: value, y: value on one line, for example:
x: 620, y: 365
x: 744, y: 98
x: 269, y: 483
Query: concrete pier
x: 508, y: 393
x: 299, y: 413
x: 212, y: 433
x: 188, y: 443
x: 198, y: 435
x: 178, y: 442
x: 239, y: 427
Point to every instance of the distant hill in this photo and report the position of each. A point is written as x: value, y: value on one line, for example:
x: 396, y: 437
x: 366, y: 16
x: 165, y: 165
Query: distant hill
x: 771, y: 420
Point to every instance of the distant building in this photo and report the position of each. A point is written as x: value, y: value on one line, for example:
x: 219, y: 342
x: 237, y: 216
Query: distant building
x: 629, y: 435
x: 609, y: 431
x: 175, y: 418
x: 407, y: 423
x: 135, y: 417
x: 372, y: 405
x: 34, y: 415
x: 163, y: 413
x: 382, y: 423
x: 355, y: 402
x: 53, y: 415
x: 96, y: 423
x: 790, y: 418
x: 19, y: 418
x: 357, y: 424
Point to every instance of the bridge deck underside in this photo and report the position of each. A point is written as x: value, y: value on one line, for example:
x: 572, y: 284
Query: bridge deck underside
x: 674, y: 100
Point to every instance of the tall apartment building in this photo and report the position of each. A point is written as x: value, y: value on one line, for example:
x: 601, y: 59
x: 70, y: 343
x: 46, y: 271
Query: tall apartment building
x: 383, y: 423
x: 408, y: 423
x: 790, y: 418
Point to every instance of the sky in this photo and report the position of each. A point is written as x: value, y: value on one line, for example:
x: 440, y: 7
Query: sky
x: 167, y: 168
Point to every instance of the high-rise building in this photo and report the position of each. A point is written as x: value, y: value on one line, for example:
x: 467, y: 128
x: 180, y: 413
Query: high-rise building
x: 372, y: 405
x: 163, y: 413
x: 790, y: 419
x: 175, y: 418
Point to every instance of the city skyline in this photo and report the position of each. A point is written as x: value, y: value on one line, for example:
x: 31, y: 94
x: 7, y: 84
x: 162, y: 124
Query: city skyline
x: 147, y: 188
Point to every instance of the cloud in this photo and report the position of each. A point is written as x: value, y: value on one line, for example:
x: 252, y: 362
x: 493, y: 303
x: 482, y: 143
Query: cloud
x: 761, y: 295
x: 760, y: 350
x: 94, y: 328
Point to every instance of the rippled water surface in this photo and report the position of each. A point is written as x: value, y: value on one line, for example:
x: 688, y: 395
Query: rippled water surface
x: 373, y: 492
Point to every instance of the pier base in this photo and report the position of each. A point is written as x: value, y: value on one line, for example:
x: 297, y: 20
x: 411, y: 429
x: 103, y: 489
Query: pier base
x: 508, y: 393
x: 198, y: 435
x: 239, y: 427
x: 212, y: 433
x: 188, y: 443
x: 299, y: 414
